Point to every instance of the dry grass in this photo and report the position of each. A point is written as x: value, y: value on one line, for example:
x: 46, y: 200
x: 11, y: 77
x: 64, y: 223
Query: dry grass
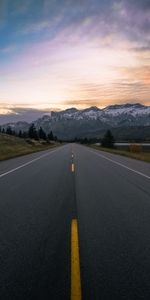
x: 144, y: 156
x: 11, y: 146
x: 135, y: 148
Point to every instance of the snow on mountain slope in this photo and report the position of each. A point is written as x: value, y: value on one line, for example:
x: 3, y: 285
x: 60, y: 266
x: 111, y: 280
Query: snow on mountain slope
x: 130, y: 109
x: 94, y: 113
x: 73, y: 122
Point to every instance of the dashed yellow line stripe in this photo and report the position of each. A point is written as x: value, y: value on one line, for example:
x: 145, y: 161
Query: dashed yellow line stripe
x: 75, y: 263
x: 72, y: 168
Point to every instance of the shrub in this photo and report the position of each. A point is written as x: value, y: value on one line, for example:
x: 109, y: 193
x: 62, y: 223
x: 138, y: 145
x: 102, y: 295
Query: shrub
x: 135, y: 148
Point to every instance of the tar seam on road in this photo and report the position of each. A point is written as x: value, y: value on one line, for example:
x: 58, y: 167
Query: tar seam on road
x: 26, y: 164
x: 122, y: 165
x: 75, y: 263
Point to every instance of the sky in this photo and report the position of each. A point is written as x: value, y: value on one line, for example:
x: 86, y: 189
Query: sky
x: 56, y: 54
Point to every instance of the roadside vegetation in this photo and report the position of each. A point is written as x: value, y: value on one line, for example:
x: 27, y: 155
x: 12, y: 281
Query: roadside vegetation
x: 32, y: 133
x: 144, y: 156
x: 134, y: 150
x: 16, y: 144
x: 107, y: 144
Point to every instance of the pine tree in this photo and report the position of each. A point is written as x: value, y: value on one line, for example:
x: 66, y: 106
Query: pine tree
x: 108, y: 140
x: 32, y: 133
x: 42, y: 134
x: 50, y: 136
x: 20, y: 134
x: 9, y: 130
x: 25, y: 134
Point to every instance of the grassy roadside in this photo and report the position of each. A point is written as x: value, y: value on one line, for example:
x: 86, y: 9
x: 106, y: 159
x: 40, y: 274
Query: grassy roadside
x: 144, y: 156
x: 11, y: 146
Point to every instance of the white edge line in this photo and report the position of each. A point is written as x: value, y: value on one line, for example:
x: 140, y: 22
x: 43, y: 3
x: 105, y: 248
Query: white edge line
x: 117, y: 163
x: 26, y: 164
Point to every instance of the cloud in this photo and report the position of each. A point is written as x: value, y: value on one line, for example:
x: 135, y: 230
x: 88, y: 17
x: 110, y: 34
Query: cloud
x: 89, y: 20
x: 8, y: 49
x: 20, y: 7
x: 65, y: 49
x: 3, y: 12
x: 142, y: 74
x: 36, y: 27
x: 80, y: 103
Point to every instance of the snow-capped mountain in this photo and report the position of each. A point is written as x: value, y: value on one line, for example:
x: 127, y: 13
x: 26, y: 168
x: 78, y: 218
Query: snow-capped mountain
x: 73, y: 122
x: 130, y: 109
x: 135, y: 110
x: 115, y: 115
x: 94, y: 113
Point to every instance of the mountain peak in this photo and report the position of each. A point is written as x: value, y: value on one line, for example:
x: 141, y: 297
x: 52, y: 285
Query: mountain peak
x: 71, y: 123
x: 125, y: 106
x: 71, y: 110
x: 93, y: 108
x: 138, y: 105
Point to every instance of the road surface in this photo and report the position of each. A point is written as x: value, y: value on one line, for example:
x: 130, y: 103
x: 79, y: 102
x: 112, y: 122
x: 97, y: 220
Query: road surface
x: 108, y: 195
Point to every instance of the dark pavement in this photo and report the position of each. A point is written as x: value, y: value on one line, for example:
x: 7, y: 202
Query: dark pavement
x: 110, y: 197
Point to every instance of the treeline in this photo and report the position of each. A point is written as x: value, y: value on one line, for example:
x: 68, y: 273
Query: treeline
x: 107, y: 140
x: 32, y: 133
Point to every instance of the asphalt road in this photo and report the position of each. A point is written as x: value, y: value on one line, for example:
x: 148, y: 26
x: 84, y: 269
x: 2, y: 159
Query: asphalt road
x: 110, y: 197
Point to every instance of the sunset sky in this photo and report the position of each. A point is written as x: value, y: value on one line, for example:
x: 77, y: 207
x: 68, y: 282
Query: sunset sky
x: 70, y: 53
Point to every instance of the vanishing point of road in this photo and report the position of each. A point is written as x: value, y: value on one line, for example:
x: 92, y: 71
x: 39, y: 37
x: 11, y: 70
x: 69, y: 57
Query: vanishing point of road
x: 74, y: 224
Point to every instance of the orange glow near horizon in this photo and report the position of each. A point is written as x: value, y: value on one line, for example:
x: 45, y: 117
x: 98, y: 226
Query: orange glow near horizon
x: 89, y: 62
x: 99, y: 77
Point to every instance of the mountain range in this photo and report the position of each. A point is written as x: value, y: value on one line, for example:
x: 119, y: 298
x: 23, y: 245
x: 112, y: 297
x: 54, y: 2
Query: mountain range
x: 127, y: 121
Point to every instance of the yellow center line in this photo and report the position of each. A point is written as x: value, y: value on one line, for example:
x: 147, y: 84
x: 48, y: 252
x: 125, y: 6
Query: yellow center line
x: 75, y: 263
x: 72, y: 168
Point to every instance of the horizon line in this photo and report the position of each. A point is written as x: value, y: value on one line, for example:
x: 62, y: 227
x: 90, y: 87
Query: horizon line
x: 9, y: 109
